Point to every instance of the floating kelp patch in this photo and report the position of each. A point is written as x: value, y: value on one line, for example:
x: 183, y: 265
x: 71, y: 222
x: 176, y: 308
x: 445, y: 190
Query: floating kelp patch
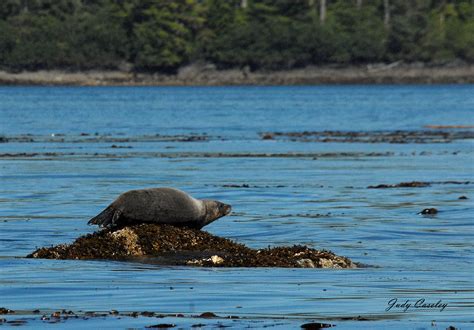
x: 106, y: 138
x: 412, y: 184
x: 399, y: 136
x: 173, y: 155
x: 165, y: 244
x: 449, y: 126
x: 416, y: 184
x: 316, y: 325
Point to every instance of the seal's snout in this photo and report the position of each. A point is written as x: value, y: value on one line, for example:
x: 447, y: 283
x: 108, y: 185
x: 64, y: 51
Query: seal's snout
x: 215, y: 210
x: 226, y: 209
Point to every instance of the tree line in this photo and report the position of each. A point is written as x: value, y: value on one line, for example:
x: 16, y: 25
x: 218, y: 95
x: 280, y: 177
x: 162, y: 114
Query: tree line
x: 163, y: 35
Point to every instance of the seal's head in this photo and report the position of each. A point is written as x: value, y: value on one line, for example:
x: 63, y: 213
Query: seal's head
x: 215, y: 210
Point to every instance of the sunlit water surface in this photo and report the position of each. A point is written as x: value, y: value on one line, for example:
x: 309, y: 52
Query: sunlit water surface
x: 47, y: 200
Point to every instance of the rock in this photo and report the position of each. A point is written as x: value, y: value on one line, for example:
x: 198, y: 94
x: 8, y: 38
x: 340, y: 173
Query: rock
x: 306, y: 263
x: 429, y: 211
x: 167, y: 244
x: 268, y: 136
x: 4, y: 310
x: 16, y: 323
x: 412, y: 184
x: 316, y: 326
x: 245, y: 185
x: 327, y: 263
x: 129, y: 239
x: 208, y: 315
x: 161, y: 326
x: 125, y: 66
x: 216, y: 260
x: 147, y: 314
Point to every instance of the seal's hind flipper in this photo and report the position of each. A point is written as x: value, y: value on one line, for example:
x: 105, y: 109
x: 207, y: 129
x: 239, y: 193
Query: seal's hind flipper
x: 106, y: 218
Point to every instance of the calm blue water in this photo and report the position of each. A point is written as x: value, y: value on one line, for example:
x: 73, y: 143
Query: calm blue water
x: 47, y: 198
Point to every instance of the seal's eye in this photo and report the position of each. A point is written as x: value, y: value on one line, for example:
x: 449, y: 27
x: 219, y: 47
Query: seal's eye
x: 225, y: 208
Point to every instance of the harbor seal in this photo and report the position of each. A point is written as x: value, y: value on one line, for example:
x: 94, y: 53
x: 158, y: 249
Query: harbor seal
x: 161, y: 206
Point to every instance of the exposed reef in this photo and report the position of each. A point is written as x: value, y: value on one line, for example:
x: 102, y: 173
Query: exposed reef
x: 429, y: 211
x: 398, y: 136
x: 165, y: 244
x: 417, y: 184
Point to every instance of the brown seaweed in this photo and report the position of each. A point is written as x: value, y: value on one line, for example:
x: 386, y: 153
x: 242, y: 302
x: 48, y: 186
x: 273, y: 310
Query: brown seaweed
x: 165, y: 244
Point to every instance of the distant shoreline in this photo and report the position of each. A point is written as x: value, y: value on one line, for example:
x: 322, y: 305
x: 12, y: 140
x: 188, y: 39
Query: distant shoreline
x: 207, y: 75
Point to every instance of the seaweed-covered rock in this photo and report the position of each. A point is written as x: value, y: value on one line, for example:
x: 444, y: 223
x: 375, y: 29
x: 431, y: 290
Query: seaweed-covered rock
x: 165, y: 244
x: 412, y: 184
x: 429, y: 211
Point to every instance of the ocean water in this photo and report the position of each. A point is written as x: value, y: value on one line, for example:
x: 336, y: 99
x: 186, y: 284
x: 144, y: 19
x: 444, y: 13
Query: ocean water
x: 68, y: 152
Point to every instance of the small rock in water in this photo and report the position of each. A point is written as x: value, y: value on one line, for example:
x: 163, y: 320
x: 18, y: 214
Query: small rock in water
x: 268, y: 136
x: 161, y: 326
x: 15, y: 323
x: 316, y: 325
x: 147, y: 314
x: 208, y: 315
x: 245, y: 185
x: 4, y: 310
x: 431, y: 210
x: 412, y: 184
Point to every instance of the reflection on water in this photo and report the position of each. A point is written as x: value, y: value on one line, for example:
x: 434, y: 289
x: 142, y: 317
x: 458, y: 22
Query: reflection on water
x: 318, y: 197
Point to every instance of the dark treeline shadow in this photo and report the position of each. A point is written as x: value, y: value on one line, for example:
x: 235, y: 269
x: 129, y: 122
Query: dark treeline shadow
x: 163, y: 35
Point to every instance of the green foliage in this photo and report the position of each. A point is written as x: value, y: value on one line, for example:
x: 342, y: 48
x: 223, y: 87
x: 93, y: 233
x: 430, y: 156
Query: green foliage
x: 448, y: 36
x: 85, y: 40
x: 162, y: 35
x: 34, y: 42
x: 7, y: 41
x: 217, y: 33
x: 9, y: 8
x: 361, y: 31
x: 94, y: 41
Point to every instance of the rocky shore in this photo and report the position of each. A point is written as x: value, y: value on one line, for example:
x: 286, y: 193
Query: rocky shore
x: 201, y: 74
x: 168, y: 245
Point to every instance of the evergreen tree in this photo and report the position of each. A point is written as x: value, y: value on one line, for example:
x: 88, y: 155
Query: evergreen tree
x: 162, y: 35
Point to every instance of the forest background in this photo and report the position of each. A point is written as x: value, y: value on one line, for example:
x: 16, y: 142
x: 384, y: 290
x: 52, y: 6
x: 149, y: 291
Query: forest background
x: 164, y: 35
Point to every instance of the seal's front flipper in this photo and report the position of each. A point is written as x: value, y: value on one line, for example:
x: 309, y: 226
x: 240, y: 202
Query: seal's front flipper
x: 106, y: 218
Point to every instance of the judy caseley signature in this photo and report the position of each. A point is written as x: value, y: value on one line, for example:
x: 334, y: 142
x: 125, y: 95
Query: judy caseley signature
x: 406, y: 304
